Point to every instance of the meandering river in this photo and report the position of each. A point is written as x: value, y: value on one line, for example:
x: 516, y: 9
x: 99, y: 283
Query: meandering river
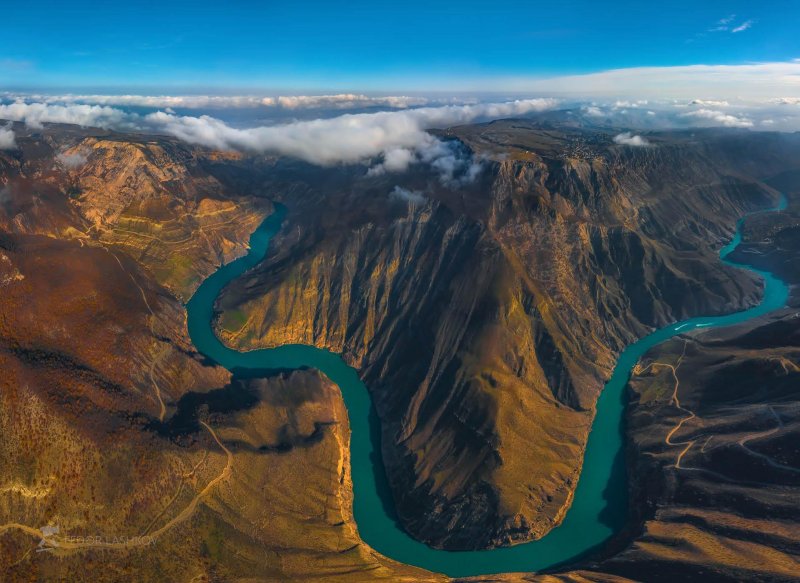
x: 600, y: 505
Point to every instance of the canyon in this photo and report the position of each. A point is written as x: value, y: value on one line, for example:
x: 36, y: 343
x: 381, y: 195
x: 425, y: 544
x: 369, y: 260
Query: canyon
x: 484, y: 319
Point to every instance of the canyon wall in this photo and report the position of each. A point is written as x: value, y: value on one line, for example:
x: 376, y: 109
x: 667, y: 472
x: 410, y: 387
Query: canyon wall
x: 486, y: 334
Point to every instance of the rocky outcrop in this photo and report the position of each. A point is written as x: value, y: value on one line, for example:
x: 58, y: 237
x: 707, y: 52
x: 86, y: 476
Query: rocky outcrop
x: 485, y: 323
x: 155, y: 201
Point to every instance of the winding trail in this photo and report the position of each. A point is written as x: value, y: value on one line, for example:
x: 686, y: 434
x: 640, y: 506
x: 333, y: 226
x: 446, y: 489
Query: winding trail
x: 767, y: 433
x: 160, y: 352
x: 59, y: 544
x: 675, y: 401
x: 742, y: 441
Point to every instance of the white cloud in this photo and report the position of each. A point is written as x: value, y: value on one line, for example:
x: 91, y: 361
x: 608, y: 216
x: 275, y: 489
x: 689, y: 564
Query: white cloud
x: 397, y: 138
x: 164, y: 101
x: 338, y: 101
x: 395, y: 160
x: 633, y: 104
x: 709, y: 102
x: 719, y: 118
x: 72, y: 161
x: 348, y: 138
x: 36, y: 114
x: 723, y: 82
x: 7, y: 139
x: 628, y: 139
x: 454, y: 166
x: 411, y: 196
x: 351, y: 138
x: 723, y: 24
x: 743, y: 26
x: 391, y: 141
x: 348, y: 101
x: 661, y: 114
x: 727, y: 25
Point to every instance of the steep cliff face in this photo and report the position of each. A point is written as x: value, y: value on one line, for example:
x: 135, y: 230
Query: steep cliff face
x: 485, y: 335
x: 439, y: 301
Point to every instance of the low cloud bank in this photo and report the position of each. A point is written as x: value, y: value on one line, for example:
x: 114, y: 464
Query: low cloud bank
x: 291, y: 102
x: 714, y: 82
x: 628, y: 139
x: 391, y: 141
x: 719, y: 118
x: 348, y: 101
x: 779, y: 113
x: 398, y: 138
x: 454, y: 165
x: 410, y: 196
x: 709, y: 102
x: 7, y: 139
x: 36, y: 114
x: 395, y: 139
x: 350, y: 138
x: 72, y: 161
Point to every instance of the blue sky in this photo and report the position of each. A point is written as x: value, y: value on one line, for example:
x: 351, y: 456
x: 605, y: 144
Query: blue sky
x: 374, y: 46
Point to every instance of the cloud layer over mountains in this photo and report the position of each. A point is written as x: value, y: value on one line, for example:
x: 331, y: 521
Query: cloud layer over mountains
x: 339, y: 101
x: 753, y: 81
x: 399, y: 138
x: 7, y: 139
x: 36, y: 114
x: 396, y: 135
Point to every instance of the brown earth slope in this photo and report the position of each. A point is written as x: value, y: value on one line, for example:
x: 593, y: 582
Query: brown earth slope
x: 117, y: 434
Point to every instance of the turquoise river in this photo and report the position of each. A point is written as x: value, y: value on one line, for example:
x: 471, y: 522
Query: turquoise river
x: 601, y: 503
